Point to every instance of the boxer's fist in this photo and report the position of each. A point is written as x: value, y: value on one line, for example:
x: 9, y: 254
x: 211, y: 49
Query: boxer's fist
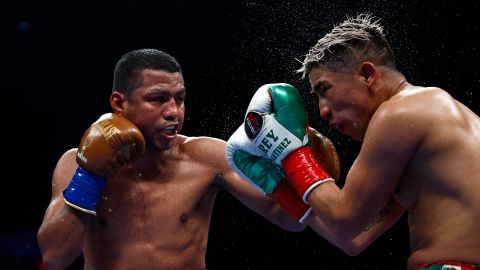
x: 324, y: 152
x: 274, y: 135
x: 104, y: 148
x: 108, y: 144
x: 274, y: 125
x: 326, y: 155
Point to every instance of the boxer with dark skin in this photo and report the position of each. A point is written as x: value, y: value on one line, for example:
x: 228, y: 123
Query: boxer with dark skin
x: 155, y: 211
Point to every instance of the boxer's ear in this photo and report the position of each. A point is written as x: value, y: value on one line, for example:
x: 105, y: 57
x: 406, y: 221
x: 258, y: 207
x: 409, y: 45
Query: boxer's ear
x: 368, y: 71
x: 117, y: 101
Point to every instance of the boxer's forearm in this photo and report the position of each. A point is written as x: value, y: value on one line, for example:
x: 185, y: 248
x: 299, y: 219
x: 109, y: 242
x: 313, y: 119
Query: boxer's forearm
x: 390, y: 214
x: 321, y: 199
x: 61, y: 237
x: 330, y: 204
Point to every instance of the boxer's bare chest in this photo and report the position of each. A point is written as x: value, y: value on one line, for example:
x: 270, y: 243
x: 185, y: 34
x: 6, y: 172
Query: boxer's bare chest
x: 141, y: 203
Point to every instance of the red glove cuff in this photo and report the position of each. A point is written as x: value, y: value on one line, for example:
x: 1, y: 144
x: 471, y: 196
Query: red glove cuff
x: 304, y: 171
x: 287, y: 197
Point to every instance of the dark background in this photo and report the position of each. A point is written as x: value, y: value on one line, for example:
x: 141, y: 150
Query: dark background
x: 57, y: 62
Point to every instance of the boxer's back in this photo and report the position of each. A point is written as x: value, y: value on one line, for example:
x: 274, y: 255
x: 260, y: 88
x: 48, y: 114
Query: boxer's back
x: 441, y: 183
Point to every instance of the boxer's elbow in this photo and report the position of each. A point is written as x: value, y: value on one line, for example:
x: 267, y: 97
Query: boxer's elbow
x: 296, y: 227
x: 351, y: 249
x: 53, y: 257
x: 51, y: 260
x: 51, y: 264
x: 290, y: 224
x: 349, y: 239
x: 344, y: 225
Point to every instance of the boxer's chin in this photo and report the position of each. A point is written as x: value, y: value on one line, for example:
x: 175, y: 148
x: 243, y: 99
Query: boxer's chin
x: 165, y: 142
x: 164, y: 145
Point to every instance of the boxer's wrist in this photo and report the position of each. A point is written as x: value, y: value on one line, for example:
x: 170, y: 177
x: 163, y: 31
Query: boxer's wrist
x: 287, y: 197
x: 84, y: 191
x: 304, y: 171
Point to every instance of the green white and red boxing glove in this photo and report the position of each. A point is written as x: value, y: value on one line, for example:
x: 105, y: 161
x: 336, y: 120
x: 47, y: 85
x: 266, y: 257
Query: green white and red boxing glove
x: 273, y: 141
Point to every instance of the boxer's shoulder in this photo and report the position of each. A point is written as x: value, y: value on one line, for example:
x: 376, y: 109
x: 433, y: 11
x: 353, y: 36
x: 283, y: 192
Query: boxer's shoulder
x: 202, y: 142
x: 417, y: 106
x: 68, y: 157
x: 70, y: 153
x: 65, y: 167
x: 417, y: 97
x: 203, y: 147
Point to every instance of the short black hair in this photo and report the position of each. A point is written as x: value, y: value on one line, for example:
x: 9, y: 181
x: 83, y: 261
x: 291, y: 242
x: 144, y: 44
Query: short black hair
x: 127, y: 72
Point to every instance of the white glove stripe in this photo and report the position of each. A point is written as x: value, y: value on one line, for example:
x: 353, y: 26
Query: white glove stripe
x: 305, y: 216
x: 239, y: 140
x: 261, y: 101
x: 307, y: 192
x: 274, y: 141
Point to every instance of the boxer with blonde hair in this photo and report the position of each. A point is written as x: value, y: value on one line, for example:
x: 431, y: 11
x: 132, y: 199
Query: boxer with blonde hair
x: 420, y: 150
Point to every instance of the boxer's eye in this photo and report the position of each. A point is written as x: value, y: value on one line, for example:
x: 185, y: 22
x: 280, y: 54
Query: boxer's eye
x: 180, y: 99
x: 320, y: 89
x: 159, y: 98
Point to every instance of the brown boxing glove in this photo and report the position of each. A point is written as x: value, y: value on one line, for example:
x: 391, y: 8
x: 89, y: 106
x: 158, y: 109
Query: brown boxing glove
x: 108, y: 144
x: 105, y: 147
x: 324, y: 152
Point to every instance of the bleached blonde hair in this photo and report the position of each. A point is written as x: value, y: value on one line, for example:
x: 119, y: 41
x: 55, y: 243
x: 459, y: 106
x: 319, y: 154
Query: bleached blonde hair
x: 352, y: 41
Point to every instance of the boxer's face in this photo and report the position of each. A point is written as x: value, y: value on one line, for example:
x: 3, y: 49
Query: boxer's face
x: 157, y: 107
x: 343, y: 100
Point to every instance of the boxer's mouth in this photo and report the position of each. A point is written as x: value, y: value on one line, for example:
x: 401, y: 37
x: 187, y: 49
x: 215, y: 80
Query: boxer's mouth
x: 169, y: 130
x: 338, y: 126
x: 334, y: 124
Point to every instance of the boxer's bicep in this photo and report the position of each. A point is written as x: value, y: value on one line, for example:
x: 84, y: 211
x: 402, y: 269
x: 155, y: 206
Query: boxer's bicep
x: 231, y: 181
x: 250, y: 196
x: 388, y: 146
x: 387, y: 216
x: 385, y: 219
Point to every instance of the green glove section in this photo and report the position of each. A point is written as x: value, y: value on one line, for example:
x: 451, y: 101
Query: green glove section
x: 264, y: 173
x: 289, y: 109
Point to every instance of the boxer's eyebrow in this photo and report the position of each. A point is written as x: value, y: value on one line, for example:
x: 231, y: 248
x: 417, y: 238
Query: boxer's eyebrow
x: 164, y: 94
x: 319, y: 87
x: 164, y: 90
